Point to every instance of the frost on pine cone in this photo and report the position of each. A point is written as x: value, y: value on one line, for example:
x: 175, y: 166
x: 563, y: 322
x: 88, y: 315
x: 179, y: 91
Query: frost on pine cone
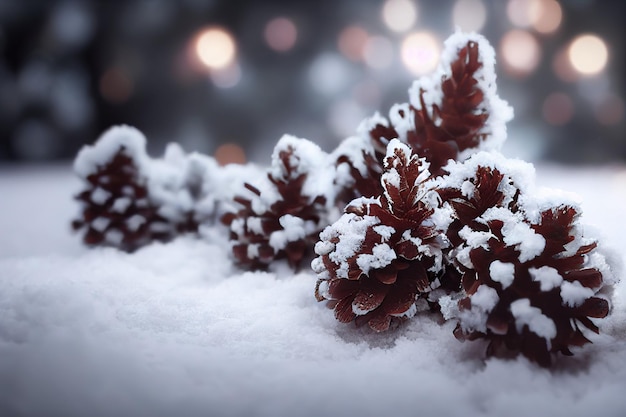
x: 451, y: 114
x: 130, y: 200
x: 282, y: 216
x: 383, y: 253
x: 530, y: 282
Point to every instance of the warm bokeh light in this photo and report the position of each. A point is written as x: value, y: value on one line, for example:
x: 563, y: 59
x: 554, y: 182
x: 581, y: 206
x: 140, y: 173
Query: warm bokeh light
x: 420, y: 52
x: 520, y: 52
x: 116, y: 85
x: 230, y: 153
x: 549, y: 17
x: 351, y: 42
x: 558, y: 109
x: 378, y: 52
x: 469, y: 15
x: 588, y: 54
x: 523, y: 13
x: 215, y: 48
x: 399, y: 15
x: 281, y: 34
x: 226, y: 77
x: 610, y: 110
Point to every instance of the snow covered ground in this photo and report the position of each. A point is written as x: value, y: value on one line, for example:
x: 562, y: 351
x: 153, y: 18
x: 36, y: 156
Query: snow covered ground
x: 175, y: 329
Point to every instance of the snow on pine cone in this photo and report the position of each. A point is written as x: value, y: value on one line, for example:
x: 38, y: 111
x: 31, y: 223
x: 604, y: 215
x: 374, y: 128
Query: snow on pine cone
x: 384, y: 253
x: 530, y: 282
x: 130, y: 200
x: 282, y: 214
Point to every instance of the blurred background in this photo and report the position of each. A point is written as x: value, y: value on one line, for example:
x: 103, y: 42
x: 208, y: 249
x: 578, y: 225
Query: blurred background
x: 228, y: 78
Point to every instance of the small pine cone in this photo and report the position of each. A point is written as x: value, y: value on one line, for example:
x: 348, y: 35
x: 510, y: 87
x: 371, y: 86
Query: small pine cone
x: 530, y: 287
x: 130, y: 200
x: 282, y: 217
x: 116, y: 206
x: 452, y: 113
x: 384, y: 252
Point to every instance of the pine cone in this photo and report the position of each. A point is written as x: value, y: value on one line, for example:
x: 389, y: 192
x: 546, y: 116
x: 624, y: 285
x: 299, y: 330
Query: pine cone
x: 384, y: 252
x: 453, y: 113
x: 530, y: 287
x: 130, y: 200
x: 116, y: 208
x: 281, y: 218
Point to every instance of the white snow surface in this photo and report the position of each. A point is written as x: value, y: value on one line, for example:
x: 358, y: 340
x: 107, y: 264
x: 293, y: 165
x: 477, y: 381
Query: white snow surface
x: 176, y: 329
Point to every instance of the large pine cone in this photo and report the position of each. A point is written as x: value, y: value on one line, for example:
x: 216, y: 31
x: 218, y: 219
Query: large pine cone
x: 384, y: 252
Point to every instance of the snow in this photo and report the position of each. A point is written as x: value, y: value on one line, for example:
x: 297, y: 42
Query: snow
x: 176, y: 329
x: 537, y: 322
x: 502, y: 272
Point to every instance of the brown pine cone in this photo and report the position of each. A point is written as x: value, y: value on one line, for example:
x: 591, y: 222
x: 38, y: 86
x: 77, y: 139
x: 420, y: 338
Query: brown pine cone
x: 282, y: 217
x: 116, y: 207
x: 530, y: 288
x: 453, y: 113
x: 384, y: 252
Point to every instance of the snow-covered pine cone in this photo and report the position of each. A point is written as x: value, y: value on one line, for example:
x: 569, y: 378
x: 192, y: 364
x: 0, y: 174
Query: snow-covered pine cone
x: 452, y: 113
x: 283, y: 214
x: 383, y: 253
x: 530, y: 288
x: 529, y: 280
x: 130, y: 200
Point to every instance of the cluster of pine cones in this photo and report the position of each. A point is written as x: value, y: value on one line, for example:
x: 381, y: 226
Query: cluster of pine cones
x: 417, y: 212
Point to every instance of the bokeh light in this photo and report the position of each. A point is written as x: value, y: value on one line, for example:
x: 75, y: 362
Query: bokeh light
x: 281, y: 34
x: 351, y: 42
x: 523, y: 13
x: 378, y: 52
x: 588, y: 54
x: 563, y: 67
x: 399, y: 15
x: 230, y: 153
x: 549, y: 17
x: 469, y: 15
x: 558, y: 109
x: 520, y: 52
x: 215, y: 47
x: 420, y: 52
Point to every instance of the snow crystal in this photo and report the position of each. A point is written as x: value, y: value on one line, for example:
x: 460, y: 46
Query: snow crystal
x: 574, y: 294
x: 517, y: 233
x: 537, y: 322
x: 402, y: 119
x: 547, y: 277
x: 502, y: 272
x: 100, y: 224
x: 350, y: 229
x: 134, y: 222
x: 384, y: 231
x: 294, y: 228
x: 121, y: 204
x: 114, y: 237
x: 381, y: 256
x: 482, y: 302
x: 100, y: 196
